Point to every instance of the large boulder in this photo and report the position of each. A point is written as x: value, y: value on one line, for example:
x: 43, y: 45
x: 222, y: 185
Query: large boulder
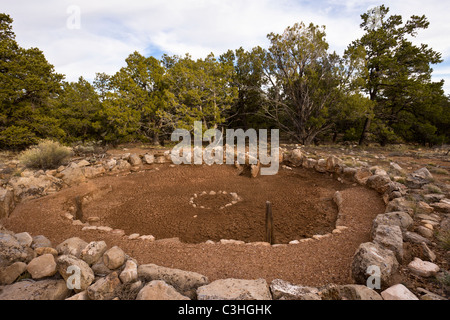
x: 390, y: 237
x: 12, y: 251
x: 93, y: 252
x: 30, y: 187
x: 398, y: 292
x: 185, y: 282
x: 75, y: 272
x: 401, y: 219
x: 159, y: 290
x: 38, y: 290
x: 370, y: 255
x: 73, y: 175
x: 42, y: 267
x: 73, y: 246
x: 379, y: 183
x: 235, y: 289
x: 10, y: 274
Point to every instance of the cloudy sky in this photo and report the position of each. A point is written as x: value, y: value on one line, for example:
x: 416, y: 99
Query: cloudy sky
x: 83, y: 37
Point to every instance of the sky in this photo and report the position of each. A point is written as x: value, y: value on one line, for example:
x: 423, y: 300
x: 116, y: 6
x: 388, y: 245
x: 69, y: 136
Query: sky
x: 84, y: 37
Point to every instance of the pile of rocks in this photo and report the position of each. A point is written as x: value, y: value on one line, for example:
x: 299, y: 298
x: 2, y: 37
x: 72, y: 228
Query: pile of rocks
x: 31, y: 269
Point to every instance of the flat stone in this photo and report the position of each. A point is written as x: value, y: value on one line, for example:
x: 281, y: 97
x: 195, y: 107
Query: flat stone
x: 398, y: 292
x: 184, y: 282
x: 24, y: 239
x: 38, y: 290
x: 72, y: 246
x: 283, y: 290
x: 235, y: 289
x: 423, y: 268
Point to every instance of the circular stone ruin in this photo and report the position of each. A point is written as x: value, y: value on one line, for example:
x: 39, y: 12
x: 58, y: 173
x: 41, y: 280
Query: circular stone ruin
x: 201, y: 203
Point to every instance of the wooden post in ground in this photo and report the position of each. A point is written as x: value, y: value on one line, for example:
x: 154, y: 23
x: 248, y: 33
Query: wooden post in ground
x: 269, y: 223
x: 79, y: 208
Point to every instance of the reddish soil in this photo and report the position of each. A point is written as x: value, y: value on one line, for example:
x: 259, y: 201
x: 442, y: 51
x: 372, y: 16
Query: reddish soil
x: 157, y: 203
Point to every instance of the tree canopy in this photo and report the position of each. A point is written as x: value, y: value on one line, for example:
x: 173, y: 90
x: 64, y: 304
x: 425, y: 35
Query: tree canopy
x: 380, y: 90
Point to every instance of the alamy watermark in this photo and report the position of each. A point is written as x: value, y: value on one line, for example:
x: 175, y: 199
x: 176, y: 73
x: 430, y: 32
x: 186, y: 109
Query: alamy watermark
x: 214, y: 153
x: 73, y: 22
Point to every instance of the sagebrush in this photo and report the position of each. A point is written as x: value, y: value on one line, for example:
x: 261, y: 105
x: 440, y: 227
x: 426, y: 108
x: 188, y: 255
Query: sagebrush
x: 46, y: 155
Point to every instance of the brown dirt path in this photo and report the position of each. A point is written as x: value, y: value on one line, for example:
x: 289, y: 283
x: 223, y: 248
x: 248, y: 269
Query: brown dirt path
x: 312, y: 263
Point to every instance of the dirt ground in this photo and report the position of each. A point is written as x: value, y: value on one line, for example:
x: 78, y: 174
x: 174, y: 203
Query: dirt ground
x: 156, y: 202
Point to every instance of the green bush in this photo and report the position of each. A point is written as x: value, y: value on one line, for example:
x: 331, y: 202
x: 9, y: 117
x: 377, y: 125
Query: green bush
x: 46, y: 155
x: 17, y: 138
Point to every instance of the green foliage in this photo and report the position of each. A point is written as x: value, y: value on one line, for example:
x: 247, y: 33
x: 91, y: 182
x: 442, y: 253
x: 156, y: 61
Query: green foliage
x: 46, y: 155
x: 16, y: 138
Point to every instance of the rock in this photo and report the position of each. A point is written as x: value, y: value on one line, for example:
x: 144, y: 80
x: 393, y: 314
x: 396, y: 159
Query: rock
x: 75, y: 272
x: 73, y: 175
x: 415, y: 238
x: 423, y: 268
x: 334, y: 164
x: 9, y: 274
x: 149, y: 159
x: 428, y: 254
x: 7, y: 203
x: 296, y: 158
x: 358, y: 292
x: 442, y: 206
x: 104, y: 288
x: 321, y: 166
x: 235, y: 289
x: 309, y: 163
x: 423, y: 207
x: 24, y: 239
x: 46, y: 250
x: 349, y: 173
x: 282, y: 290
x: 39, y: 290
x: 362, y: 175
x: 83, y: 163
x: 396, y: 168
x: 184, y: 282
x: 401, y: 219
x: 160, y: 159
x: 123, y: 166
x: 100, y: 269
x: 111, y: 164
x: 135, y: 160
x: 94, y: 172
x: 72, y: 246
x: 398, y: 292
x: 430, y: 296
x: 32, y: 187
x: 369, y: 255
x: 93, y: 252
x: 390, y: 237
x: 432, y: 197
x: 423, y: 173
x: 425, y: 232
x: 378, y: 183
x: 114, y: 258
x: 400, y: 204
x: 41, y: 241
x: 42, y: 267
x: 130, y: 272
x: 11, y: 251
x: 82, y: 296
x: 159, y: 290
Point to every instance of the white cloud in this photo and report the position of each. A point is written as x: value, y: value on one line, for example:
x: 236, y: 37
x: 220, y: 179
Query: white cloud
x: 111, y: 30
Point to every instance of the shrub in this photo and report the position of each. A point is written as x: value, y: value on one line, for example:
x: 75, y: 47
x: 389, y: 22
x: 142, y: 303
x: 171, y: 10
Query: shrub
x: 46, y: 155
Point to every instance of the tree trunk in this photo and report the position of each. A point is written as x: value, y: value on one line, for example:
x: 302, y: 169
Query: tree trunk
x: 366, y: 128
